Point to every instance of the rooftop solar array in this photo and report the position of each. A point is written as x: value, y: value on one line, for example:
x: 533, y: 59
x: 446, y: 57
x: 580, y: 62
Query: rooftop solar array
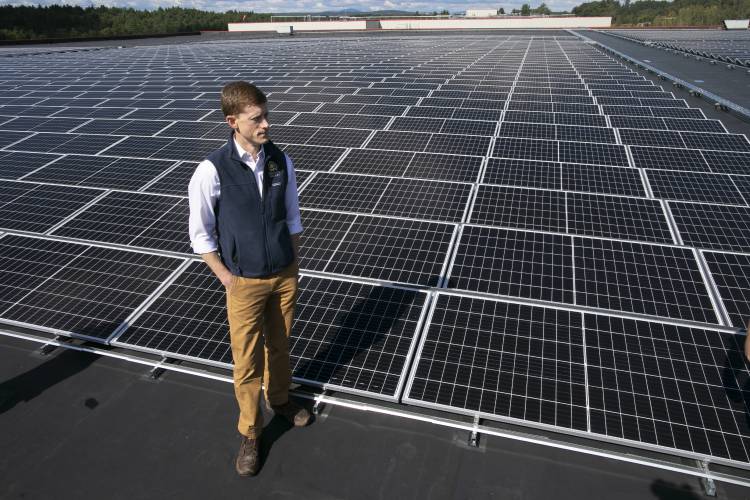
x: 511, y: 227
x: 728, y: 46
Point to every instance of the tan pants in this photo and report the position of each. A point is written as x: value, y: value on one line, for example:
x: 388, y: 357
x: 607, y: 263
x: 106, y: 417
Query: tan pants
x: 258, y: 306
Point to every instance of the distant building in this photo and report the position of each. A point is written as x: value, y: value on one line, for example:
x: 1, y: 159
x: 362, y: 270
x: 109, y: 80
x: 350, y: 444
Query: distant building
x: 736, y: 24
x: 481, y: 12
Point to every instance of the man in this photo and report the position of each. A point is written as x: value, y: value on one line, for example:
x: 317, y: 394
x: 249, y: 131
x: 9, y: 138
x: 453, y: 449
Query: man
x: 245, y: 223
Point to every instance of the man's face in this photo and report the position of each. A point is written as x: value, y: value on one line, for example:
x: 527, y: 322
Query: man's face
x: 251, y: 124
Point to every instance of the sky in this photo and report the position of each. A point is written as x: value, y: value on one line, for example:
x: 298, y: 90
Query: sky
x: 308, y: 5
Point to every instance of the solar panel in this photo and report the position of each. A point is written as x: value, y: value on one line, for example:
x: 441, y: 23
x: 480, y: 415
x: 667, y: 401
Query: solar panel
x: 133, y: 219
x: 349, y: 138
x: 64, y: 143
x: 439, y: 201
x: 375, y: 162
x: 522, y: 173
x: 731, y: 274
x: 358, y: 193
x: 458, y: 168
x: 187, y: 320
x: 101, y: 171
x: 519, y: 208
x: 667, y: 385
x: 668, y: 158
x: 26, y: 206
x: 322, y: 236
x: 15, y: 165
x: 725, y: 162
x: 617, y: 217
x: 402, y: 141
x: 525, y: 149
x: 354, y: 337
x: 498, y: 359
x: 395, y: 250
x: 641, y: 278
x: 593, y: 154
x: 513, y: 263
x: 48, y: 125
x: 176, y: 180
x: 313, y: 157
x: 694, y: 186
x: 73, y: 289
x: 605, y: 180
x: 720, y: 227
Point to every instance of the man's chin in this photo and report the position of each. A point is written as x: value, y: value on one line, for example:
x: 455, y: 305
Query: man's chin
x: 263, y: 139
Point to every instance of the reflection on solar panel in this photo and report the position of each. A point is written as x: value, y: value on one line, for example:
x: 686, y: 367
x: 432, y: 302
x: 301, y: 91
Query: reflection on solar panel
x: 529, y: 200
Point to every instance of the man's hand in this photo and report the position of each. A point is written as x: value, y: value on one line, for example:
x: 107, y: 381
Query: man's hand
x: 226, y: 279
x: 295, y: 247
x: 218, y: 268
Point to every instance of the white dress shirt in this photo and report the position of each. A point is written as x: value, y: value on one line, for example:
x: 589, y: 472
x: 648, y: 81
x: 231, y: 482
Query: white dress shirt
x: 204, y: 191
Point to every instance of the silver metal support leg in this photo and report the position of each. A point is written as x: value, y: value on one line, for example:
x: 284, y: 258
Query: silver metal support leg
x: 47, y: 349
x: 158, y: 370
x: 474, y: 436
x: 319, y: 404
x: 709, y: 486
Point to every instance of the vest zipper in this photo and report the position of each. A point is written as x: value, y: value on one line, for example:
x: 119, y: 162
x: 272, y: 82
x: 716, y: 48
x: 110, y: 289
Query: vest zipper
x: 263, y: 199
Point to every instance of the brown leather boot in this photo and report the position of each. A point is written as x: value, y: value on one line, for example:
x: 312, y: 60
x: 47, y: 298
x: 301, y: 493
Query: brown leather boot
x: 293, y: 412
x: 247, y: 463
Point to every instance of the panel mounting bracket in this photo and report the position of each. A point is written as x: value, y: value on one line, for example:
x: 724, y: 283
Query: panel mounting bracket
x: 319, y: 404
x: 474, y: 436
x: 158, y: 370
x: 709, y: 486
x: 48, y: 349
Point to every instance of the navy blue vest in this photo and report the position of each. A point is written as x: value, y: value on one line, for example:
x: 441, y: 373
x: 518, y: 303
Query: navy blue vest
x: 253, y: 236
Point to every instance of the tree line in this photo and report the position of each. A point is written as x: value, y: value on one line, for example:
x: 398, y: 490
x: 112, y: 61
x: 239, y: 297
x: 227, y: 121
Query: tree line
x: 65, y: 21
x: 665, y: 13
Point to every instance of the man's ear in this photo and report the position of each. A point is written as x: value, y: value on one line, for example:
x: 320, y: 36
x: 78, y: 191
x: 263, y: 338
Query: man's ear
x: 231, y: 121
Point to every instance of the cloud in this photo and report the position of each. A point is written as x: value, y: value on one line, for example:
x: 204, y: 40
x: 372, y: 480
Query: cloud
x: 303, y: 5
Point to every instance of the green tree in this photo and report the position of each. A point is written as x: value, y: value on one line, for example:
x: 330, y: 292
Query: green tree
x: 525, y: 10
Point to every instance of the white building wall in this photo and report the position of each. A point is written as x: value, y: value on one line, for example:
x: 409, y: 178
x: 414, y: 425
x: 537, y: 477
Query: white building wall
x: 300, y: 26
x: 736, y: 24
x: 419, y: 24
x: 481, y: 12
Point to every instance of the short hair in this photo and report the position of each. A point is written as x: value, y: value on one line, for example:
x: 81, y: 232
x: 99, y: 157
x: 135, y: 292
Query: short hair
x: 236, y: 96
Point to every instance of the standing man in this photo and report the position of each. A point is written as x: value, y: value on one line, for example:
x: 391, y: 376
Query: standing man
x: 245, y: 223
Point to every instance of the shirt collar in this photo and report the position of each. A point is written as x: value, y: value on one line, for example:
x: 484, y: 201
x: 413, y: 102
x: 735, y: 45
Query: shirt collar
x: 247, y: 157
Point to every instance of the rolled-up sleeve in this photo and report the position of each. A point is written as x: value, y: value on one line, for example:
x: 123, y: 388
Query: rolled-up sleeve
x: 203, y: 192
x: 291, y: 199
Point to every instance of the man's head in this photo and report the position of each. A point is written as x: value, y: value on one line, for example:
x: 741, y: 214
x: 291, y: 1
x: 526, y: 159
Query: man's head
x: 245, y: 110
